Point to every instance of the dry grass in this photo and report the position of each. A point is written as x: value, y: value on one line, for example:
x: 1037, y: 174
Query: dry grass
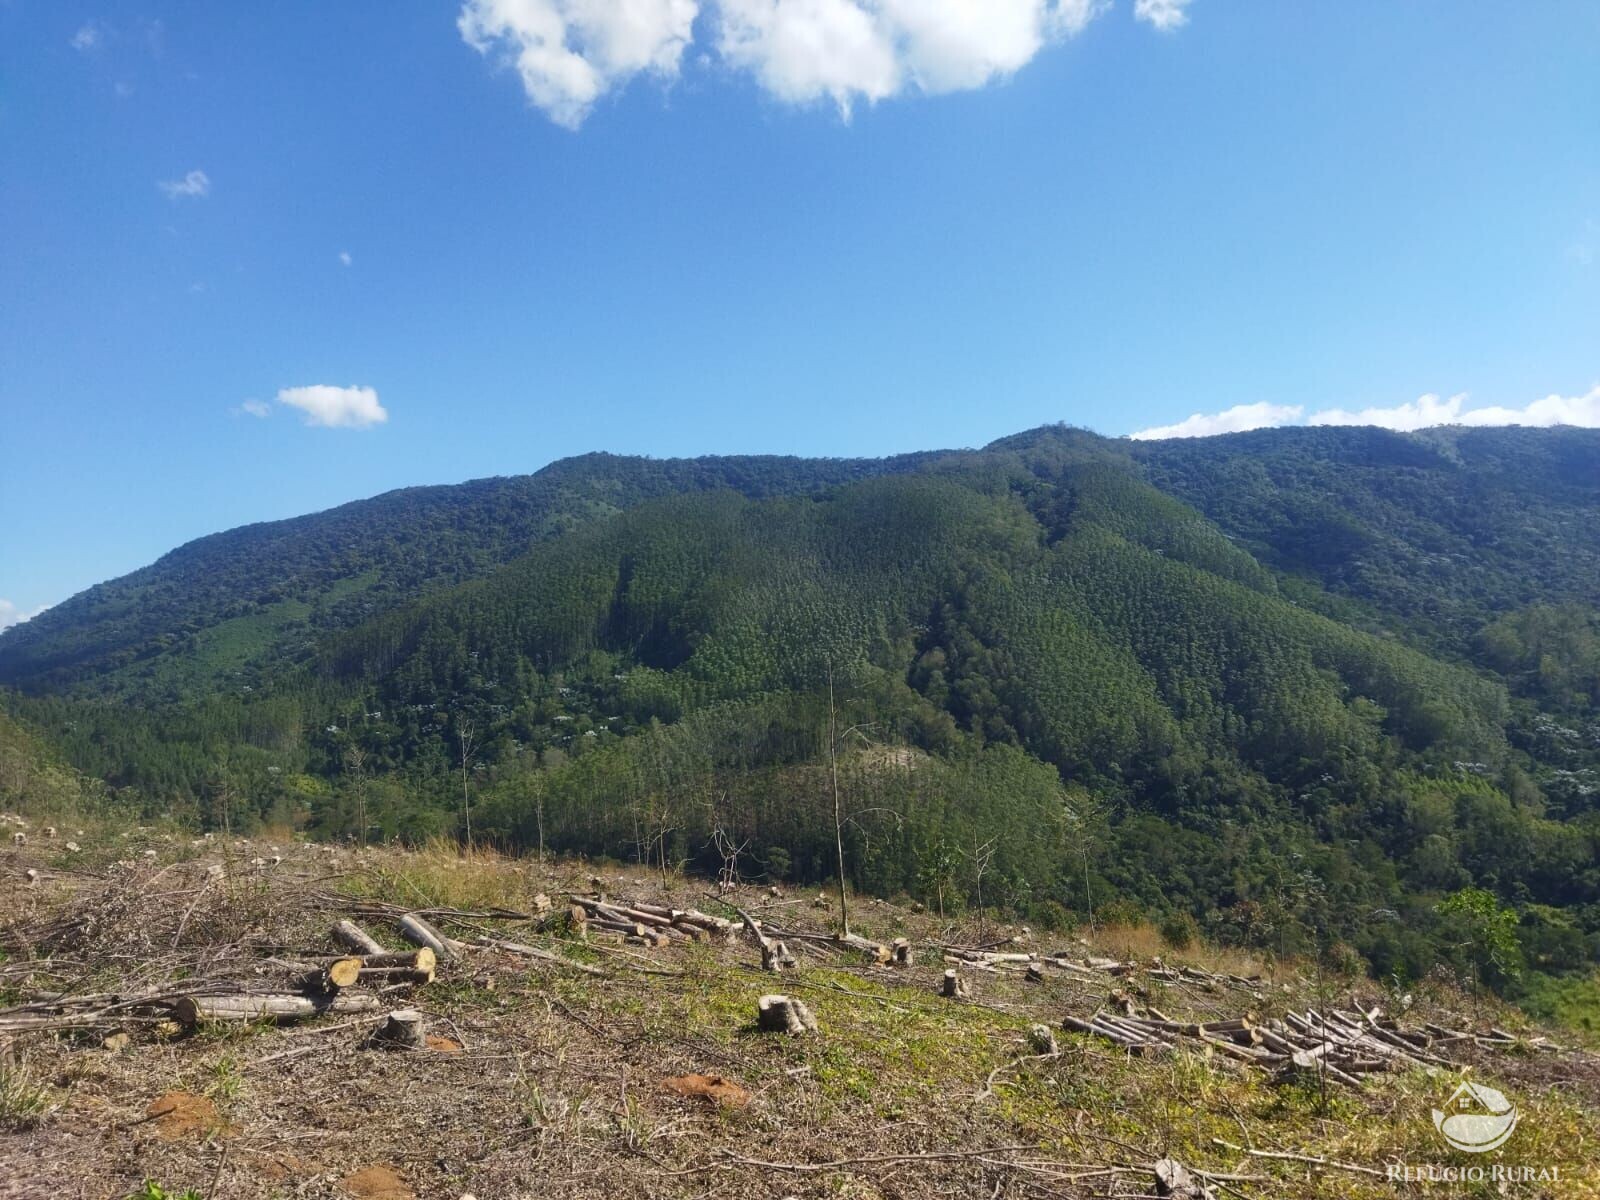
x: 559, y: 1088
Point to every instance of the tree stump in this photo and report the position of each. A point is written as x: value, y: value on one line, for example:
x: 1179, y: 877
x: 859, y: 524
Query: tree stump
x: 780, y: 1014
x: 404, y: 1030
x: 775, y: 956
x: 954, y: 986
x: 901, y: 954
x: 1043, y: 1040
x: 1173, y: 1179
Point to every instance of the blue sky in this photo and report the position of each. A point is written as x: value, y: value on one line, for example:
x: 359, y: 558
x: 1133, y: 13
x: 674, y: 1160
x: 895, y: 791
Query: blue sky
x: 522, y: 230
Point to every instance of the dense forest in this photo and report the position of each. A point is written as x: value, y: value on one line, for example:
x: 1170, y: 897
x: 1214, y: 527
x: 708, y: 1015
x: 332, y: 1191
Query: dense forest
x: 1312, y: 690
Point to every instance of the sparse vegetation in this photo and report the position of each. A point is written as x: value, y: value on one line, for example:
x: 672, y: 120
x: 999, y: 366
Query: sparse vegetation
x: 24, y: 1101
x: 561, y: 1074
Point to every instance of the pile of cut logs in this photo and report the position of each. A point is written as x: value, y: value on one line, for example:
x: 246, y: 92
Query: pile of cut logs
x: 1337, y: 1045
x: 322, y: 986
x: 315, y: 986
x: 1091, y: 967
x: 651, y: 924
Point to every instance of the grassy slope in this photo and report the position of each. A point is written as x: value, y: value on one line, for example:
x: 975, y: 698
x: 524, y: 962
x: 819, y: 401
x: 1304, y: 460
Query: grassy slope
x: 558, y: 1090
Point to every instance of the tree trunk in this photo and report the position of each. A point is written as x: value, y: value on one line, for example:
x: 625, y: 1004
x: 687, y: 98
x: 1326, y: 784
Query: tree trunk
x: 419, y: 933
x: 352, y: 937
x: 191, y: 1010
x: 332, y: 975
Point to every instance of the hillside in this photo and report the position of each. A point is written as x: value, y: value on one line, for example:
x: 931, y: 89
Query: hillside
x: 227, y: 609
x: 568, y: 1054
x: 1292, y: 689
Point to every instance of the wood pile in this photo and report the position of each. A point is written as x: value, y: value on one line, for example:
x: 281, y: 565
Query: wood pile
x: 1036, y: 965
x: 1338, y: 1045
x: 648, y: 924
x: 313, y: 987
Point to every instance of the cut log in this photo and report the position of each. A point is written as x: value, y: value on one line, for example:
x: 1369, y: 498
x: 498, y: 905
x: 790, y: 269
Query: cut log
x: 954, y: 985
x: 191, y: 1010
x: 419, y: 933
x: 330, y: 976
x: 352, y: 937
x: 396, y: 976
x: 876, y: 952
x: 781, y: 1014
x: 713, y: 925
x: 404, y: 1030
x: 420, y: 959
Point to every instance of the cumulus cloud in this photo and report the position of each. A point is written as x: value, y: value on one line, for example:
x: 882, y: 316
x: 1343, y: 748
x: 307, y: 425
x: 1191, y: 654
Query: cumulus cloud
x: 11, y: 615
x: 1165, y: 15
x: 570, y: 53
x: 195, y: 184
x: 1237, y: 419
x: 90, y: 36
x: 1422, y: 413
x: 254, y: 408
x: 849, y: 50
x: 336, y: 407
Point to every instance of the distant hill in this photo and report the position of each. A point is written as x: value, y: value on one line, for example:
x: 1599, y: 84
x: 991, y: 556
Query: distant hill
x: 220, y: 610
x: 1293, y: 685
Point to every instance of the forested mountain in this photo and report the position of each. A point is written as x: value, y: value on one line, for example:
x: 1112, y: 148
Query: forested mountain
x: 219, y: 610
x: 1290, y: 687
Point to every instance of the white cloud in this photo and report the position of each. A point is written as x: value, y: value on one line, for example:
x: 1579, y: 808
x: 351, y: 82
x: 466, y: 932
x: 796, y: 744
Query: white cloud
x: 849, y: 50
x: 254, y: 408
x: 1238, y: 419
x: 195, y: 183
x: 336, y: 407
x: 1419, y: 414
x: 11, y: 615
x: 344, y: 257
x: 1165, y: 15
x: 1423, y: 413
x: 569, y: 53
x: 90, y: 36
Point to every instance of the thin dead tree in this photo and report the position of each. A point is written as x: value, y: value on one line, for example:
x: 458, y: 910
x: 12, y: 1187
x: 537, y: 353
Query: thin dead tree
x: 729, y: 851
x: 464, y: 738
x: 1079, y: 815
x: 980, y: 858
x: 836, y: 738
x: 355, y: 764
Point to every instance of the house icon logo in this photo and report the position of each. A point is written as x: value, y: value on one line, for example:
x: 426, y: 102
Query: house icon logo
x: 1476, y: 1119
